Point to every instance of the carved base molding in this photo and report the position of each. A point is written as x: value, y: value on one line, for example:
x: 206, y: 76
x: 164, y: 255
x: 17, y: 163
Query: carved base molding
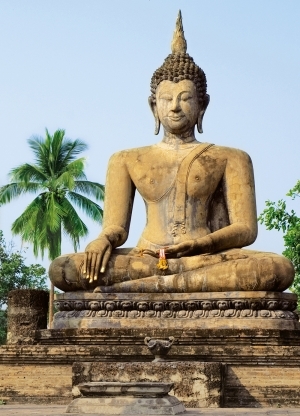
x: 247, y: 309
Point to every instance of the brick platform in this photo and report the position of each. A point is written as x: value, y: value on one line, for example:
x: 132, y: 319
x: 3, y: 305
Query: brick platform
x: 262, y: 367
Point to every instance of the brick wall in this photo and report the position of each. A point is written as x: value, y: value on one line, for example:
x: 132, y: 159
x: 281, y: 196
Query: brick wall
x: 262, y: 386
x: 36, y: 383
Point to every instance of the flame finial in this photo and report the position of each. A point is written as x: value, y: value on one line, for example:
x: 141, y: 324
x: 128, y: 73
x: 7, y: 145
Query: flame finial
x: 178, y: 44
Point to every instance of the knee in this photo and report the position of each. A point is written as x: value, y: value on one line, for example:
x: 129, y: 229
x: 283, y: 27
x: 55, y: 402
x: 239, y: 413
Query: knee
x: 276, y: 273
x: 284, y: 272
x: 265, y: 271
x: 64, y: 273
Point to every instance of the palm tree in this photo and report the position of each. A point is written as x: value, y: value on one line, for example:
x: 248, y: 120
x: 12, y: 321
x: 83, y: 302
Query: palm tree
x: 57, y: 175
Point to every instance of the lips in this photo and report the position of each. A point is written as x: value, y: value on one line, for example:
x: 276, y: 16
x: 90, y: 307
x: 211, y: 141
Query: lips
x: 176, y: 118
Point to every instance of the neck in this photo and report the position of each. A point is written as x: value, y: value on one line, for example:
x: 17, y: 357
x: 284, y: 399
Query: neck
x: 179, y: 139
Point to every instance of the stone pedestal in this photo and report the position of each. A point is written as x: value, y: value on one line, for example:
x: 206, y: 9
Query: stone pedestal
x: 253, y: 336
x: 213, y: 310
x: 117, y: 398
x: 27, y: 312
x: 194, y: 383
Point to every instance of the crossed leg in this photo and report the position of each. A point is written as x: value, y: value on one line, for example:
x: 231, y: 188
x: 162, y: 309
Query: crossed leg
x: 127, y: 271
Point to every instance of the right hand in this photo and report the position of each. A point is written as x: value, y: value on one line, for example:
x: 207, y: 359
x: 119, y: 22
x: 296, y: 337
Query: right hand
x: 97, y: 254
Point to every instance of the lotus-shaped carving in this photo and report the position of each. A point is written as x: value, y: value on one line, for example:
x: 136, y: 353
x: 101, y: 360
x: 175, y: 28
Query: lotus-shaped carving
x: 159, y: 347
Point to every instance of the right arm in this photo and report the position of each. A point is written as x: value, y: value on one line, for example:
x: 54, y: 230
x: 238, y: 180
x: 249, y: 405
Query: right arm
x: 118, y: 202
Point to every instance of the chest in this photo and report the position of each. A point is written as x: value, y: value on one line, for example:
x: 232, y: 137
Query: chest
x: 155, y: 177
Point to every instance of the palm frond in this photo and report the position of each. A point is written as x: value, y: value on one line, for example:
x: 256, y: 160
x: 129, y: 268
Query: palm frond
x: 94, y: 189
x: 27, y: 173
x: 64, y: 150
x: 89, y: 207
x: 65, y: 181
x: 73, y: 226
x: 14, y: 190
x: 74, y: 169
x: 54, y: 212
x: 25, y: 224
x: 39, y: 227
x: 72, y: 148
x: 41, y: 150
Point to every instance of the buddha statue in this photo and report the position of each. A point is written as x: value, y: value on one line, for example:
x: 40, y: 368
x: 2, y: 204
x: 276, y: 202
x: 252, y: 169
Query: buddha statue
x: 200, y: 204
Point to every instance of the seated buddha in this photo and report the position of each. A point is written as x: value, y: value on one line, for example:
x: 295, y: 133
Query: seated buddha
x: 200, y: 205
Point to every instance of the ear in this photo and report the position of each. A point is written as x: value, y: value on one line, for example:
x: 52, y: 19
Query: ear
x: 153, y: 107
x: 202, y: 112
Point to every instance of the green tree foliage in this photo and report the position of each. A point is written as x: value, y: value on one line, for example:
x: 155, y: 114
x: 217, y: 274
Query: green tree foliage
x: 275, y: 216
x: 14, y: 274
x: 58, y: 177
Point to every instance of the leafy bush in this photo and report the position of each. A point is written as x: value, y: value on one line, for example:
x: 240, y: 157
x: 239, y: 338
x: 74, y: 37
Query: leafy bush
x: 275, y: 216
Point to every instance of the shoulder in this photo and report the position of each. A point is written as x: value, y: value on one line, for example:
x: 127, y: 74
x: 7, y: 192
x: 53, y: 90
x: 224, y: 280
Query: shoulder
x: 129, y: 154
x: 230, y: 153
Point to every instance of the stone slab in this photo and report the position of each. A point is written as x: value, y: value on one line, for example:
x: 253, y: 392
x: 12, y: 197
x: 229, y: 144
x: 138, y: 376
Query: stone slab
x: 212, y: 310
x: 90, y: 296
x: 142, y: 389
x: 167, y: 405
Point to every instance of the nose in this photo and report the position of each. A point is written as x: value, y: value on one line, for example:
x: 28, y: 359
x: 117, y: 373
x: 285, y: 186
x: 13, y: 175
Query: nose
x: 175, y: 104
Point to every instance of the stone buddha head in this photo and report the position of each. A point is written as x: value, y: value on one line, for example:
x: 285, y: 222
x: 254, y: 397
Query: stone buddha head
x: 178, y: 89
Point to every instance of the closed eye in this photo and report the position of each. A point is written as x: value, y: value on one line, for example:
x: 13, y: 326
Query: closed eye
x: 186, y: 97
x: 166, y: 97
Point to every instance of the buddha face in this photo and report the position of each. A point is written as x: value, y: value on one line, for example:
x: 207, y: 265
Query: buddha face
x: 177, y: 106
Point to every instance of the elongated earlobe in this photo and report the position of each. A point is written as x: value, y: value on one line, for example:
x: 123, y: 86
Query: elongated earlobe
x: 154, y: 112
x: 199, y: 123
x: 202, y: 112
x: 157, y: 126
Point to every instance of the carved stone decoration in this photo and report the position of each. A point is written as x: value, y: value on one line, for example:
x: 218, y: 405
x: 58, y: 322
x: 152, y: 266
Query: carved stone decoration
x: 198, y: 314
x: 175, y: 309
x: 118, y: 309
x: 159, y: 347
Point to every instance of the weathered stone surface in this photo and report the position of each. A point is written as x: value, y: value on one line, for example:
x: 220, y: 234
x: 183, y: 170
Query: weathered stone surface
x: 268, y: 310
x: 196, y: 384
x: 131, y: 398
x: 200, y: 207
x: 116, y: 388
x: 220, y: 345
x: 26, y: 313
x: 167, y: 405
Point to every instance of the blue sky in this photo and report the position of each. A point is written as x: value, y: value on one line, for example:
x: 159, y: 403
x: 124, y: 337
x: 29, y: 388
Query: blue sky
x: 85, y: 66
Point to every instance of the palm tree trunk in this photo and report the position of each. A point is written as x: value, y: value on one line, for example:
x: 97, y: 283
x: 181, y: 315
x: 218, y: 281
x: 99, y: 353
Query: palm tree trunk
x: 51, y: 299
